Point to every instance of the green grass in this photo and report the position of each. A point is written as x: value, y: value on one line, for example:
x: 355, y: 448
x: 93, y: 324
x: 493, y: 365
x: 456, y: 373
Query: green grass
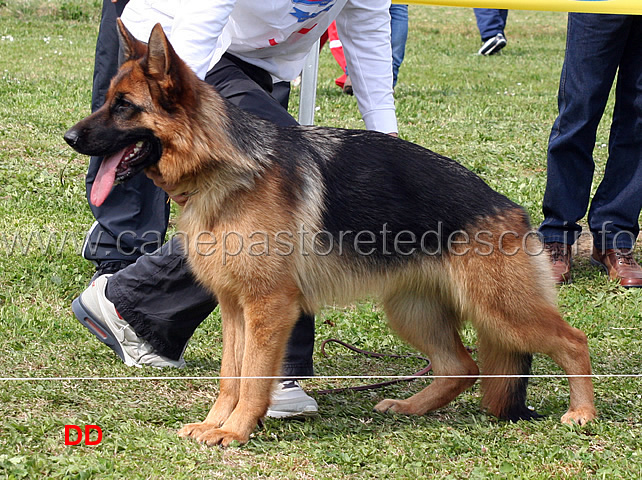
x: 491, y: 114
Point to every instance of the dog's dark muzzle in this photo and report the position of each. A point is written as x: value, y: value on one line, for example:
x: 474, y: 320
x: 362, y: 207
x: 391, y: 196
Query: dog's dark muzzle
x: 71, y: 137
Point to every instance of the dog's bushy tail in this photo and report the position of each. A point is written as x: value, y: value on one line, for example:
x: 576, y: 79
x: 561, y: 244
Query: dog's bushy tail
x: 505, y: 395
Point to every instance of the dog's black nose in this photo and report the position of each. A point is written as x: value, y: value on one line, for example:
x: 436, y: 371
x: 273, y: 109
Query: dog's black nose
x: 71, y: 137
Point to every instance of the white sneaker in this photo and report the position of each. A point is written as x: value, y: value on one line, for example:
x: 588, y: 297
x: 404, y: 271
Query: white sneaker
x: 98, y: 314
x: 288, y: 400
x: 493, y: 45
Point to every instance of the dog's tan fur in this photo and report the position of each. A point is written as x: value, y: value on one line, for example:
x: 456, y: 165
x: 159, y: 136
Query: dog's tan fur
x: 509, y: 298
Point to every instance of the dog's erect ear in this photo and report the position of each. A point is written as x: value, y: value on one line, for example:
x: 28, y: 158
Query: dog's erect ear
x: 133, y: 49
x: 160, y: 53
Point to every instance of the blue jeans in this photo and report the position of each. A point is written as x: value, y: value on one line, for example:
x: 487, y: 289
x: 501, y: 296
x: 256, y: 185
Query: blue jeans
x: 596, y: 47
x: 490, y: 22
x: 398, y: 37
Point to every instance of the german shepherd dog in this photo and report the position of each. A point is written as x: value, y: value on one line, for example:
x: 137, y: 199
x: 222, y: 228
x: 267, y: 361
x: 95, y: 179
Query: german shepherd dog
x: 299, y: 217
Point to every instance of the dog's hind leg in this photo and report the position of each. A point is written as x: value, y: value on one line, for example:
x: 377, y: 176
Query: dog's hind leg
x: 511, y: 302
x: 507, y: 349
x: 431, y: 326
x: 505, y: 290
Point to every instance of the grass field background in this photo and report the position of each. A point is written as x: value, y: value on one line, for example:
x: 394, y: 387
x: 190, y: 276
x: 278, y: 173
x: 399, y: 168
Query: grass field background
x: 491, y: 114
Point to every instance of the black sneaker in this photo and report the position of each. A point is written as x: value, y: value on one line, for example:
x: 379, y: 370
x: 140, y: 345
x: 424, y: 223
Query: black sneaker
x: 109, y: 268
x: 493, y: 45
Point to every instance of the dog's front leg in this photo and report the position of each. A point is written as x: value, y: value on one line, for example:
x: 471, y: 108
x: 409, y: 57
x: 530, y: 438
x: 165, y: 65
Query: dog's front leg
x: 233, y: 347
x: 268, y: 324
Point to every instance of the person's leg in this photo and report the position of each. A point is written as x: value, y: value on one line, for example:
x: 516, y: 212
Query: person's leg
x: 131, y: 222
x: 615, y: 209
x: 133, y: 219
x: 591, y: 60
x: 160, y: 299
x: 490, y: 22
x: 616, y: 205
x: 398, y: 37
x: 106, y: 55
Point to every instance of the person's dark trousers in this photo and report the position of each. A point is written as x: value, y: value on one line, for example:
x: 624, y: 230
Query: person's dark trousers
x: 597, y: 46
x: 106, y: 57
x: 158, y: 294
x: 281, y: 92
x: 490, y: 21
x: 123, y: 229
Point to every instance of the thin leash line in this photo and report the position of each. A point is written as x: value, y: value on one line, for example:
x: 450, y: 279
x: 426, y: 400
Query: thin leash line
x: 320, y: 377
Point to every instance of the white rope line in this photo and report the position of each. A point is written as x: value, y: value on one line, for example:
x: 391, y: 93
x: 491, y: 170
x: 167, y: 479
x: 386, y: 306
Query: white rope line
x: 320, y: 377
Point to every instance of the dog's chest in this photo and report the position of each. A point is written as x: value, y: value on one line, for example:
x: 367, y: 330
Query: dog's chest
x: 236, y: 255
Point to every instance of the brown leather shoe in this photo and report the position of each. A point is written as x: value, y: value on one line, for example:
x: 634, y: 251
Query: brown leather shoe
x: 560, y: 254
x: 619, y: 265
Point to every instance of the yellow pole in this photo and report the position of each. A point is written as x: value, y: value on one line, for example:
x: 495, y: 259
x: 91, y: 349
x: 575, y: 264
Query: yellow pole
x: 622, y: 7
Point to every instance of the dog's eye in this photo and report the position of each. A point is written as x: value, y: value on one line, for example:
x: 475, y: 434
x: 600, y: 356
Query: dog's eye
x: 122, y: 106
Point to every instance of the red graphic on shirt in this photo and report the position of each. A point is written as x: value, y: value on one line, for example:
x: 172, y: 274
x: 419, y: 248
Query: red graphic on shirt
x: 303, y: 31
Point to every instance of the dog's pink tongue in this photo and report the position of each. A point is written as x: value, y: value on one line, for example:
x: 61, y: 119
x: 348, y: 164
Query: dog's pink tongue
x: 105, y: 178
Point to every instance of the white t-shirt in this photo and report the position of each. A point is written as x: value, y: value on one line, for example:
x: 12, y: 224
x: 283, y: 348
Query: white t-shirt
x: 276, y: 35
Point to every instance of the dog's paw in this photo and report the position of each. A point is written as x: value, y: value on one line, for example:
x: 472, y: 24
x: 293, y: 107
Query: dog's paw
x: 579, y: 416
x: 209, y: 434
x: 396, y: 406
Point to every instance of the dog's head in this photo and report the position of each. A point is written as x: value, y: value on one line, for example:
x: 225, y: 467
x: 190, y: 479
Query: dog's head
x: 149, y: 96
